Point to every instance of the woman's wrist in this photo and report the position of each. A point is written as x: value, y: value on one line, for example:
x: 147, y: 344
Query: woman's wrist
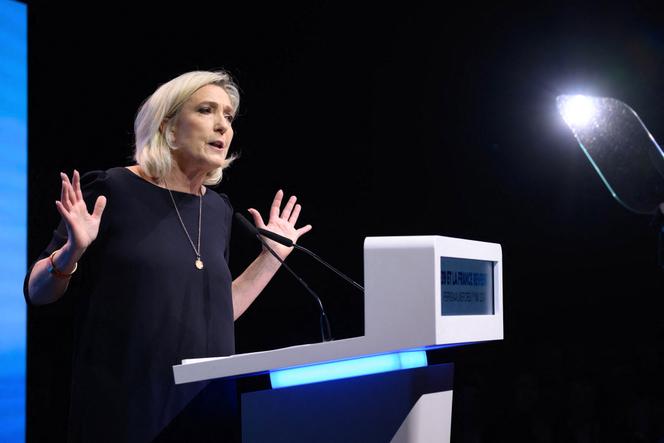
x: 65, y: 260
x: 270, y: 259
x: 59, y: 273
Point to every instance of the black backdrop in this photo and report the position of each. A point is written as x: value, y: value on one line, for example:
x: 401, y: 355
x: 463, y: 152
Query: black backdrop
x: 393, y: 120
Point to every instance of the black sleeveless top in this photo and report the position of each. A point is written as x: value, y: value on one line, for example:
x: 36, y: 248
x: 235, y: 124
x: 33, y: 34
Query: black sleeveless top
x: 142, y: 305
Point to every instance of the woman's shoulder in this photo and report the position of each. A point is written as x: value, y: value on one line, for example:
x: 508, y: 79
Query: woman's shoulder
x: 108, y: 178
x: 220, y: 198
x: 97, y: 176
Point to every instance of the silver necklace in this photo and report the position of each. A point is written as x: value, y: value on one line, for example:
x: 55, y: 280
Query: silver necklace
x: 197, y: 250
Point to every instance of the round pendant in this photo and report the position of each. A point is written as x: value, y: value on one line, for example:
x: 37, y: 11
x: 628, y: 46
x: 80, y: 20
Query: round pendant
x: 199, y: 263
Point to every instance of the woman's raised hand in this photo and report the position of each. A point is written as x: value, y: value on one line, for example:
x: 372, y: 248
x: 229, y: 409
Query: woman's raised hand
x: 282, y: 222
x: 82, y: 227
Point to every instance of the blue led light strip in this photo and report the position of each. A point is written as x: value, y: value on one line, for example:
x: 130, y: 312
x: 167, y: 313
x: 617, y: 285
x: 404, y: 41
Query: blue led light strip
x: 347, y: 368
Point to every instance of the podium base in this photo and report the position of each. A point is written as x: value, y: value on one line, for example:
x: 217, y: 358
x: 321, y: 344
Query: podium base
x: 409, y: 406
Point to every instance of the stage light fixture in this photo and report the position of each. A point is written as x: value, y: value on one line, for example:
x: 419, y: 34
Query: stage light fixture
x: 576, y: 110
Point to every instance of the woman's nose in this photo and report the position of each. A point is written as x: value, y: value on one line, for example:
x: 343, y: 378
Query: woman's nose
x: 222, y: 124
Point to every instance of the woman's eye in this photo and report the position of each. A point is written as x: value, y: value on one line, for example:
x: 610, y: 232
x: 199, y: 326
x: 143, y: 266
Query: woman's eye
x: 229, y: 117
x: 205, y: 110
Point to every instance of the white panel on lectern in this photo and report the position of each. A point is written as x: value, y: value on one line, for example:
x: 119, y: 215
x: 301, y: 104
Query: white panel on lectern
x: 432, y: 290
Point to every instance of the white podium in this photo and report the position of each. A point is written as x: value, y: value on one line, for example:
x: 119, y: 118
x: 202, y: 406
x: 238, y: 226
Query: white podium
x: 421, y: 293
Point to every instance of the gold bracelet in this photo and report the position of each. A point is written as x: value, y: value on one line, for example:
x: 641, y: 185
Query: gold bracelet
x: 55, y: 272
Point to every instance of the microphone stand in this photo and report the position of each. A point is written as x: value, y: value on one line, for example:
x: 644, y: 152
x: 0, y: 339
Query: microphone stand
x: 325, y: 330
x: 288, y: 242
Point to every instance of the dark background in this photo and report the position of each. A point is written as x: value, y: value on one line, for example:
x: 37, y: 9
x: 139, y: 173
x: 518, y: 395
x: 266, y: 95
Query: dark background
x: 393, y: 120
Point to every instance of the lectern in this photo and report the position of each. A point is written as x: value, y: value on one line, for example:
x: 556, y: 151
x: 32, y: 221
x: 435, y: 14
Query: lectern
x: 421, y: 293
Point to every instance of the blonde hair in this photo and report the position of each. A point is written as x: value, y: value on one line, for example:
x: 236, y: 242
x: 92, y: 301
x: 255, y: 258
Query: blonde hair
x: 157, y: 113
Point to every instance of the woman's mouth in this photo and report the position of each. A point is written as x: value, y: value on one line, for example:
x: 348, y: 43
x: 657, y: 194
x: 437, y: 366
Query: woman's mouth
x: 217, y: 145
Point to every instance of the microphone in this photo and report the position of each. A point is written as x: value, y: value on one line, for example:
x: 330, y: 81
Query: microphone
x: 276, y: 237
x: 246, y: 223
x: 288, y: 242
x: 326, y: 332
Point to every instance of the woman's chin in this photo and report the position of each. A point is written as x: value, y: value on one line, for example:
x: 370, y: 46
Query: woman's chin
x: 217, y: 156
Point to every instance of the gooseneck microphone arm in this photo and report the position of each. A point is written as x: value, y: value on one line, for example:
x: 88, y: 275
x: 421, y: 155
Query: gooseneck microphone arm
x: 288, y: 242
x: 325, y: 330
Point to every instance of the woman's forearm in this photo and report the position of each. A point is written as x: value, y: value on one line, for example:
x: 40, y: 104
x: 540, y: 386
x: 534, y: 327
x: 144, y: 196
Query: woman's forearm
x: 45, y: 287
x: 252, y: 281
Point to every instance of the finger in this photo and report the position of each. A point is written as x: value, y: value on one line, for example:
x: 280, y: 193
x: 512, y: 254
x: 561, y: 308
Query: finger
x: 100, y: 204
x: 276, y: 204
x: 69, y: 197
x: 64, y: 196
x: 77, y: 186
x: 63, y: 212
x: 294, y: 216
x: 286, y: 213
x: 304, y: 230
x: 258, y: 220
x: 63, y: 190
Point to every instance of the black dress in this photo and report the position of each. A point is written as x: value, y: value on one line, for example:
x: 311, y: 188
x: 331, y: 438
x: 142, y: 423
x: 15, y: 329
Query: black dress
x: 142, y: 306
